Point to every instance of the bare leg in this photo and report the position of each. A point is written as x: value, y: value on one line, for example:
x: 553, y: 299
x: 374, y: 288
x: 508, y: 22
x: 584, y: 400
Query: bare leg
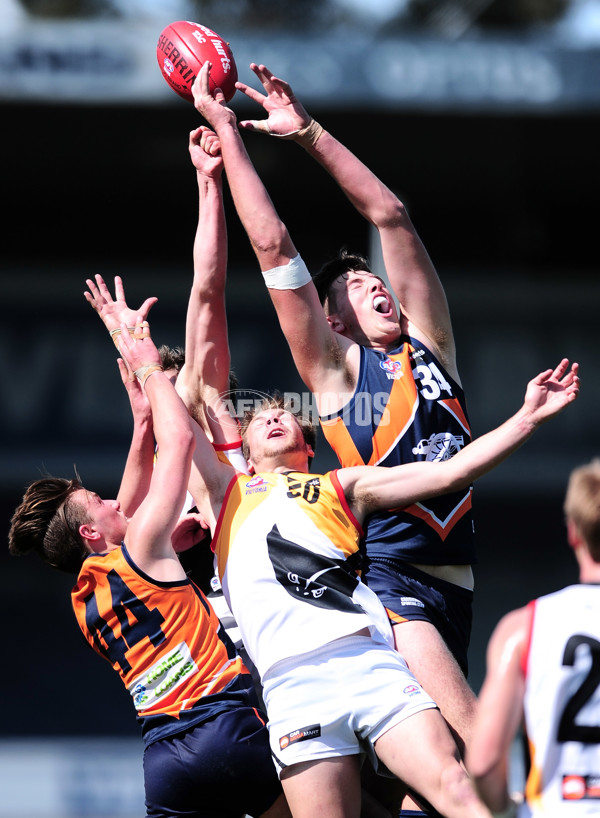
x: 389, y: 792
x: 438, y: 672
x: 329, y: 788
x: 279, y: 809
x: 427, y: 655
x: 421, y: 751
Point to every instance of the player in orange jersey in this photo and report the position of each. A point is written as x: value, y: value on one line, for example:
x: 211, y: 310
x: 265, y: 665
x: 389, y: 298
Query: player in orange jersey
x: 206, y: 748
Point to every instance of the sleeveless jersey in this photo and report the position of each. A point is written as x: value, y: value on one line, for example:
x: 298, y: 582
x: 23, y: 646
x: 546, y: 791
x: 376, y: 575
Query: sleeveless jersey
x: 287, y: 549
x: 407, y: 408
x: 562, y: 704
x: 164, y: 640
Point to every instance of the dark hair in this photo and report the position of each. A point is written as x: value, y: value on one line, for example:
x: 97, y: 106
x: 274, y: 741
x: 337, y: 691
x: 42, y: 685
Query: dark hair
x: 336, y: 267
x: 174, y: 358
x: 47, y: 522
x: 277, y: 401
x: 171, y: 357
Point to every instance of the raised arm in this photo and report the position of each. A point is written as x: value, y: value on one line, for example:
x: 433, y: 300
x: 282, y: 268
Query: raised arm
x: 149, y: 533
x: 499, y: 710
x: 204, y: 377
x: 319, y: 354
x: 140, y: 459
x: 410, y: 271
x: 138, y: 468
x: 369, y: 488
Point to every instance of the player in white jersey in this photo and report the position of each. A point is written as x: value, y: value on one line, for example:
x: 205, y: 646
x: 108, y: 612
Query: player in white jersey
x: 544, y: 670
x: 285, y: 540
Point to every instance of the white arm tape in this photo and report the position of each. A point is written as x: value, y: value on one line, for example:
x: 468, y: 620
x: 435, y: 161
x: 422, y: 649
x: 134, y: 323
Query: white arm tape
x: 290, y: 276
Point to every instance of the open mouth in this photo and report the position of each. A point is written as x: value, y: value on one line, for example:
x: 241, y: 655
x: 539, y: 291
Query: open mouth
x: 381, y: 305
x: 276, y: 433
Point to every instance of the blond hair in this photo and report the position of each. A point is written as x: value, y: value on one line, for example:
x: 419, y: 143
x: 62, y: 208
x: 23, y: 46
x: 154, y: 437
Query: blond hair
x: 582, y: 504
x: 277, y: 401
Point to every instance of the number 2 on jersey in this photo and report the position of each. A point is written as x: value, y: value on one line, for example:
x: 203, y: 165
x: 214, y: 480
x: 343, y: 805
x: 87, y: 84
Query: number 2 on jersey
x: 568, y: 728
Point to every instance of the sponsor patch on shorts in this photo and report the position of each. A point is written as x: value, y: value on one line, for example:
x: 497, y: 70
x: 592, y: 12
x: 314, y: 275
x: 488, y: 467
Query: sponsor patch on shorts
x: 410, y: 600
x: 302, y: 734
x: 580, y: 787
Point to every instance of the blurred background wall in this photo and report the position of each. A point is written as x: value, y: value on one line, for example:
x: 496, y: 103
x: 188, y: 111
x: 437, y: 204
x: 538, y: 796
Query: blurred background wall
x: 483, y: 116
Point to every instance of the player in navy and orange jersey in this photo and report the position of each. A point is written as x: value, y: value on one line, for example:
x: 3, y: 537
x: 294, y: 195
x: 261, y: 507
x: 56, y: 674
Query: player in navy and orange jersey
x: 543, y: 674
x: 384, y: 378
x: 206, y: 748
x: 334, y: 686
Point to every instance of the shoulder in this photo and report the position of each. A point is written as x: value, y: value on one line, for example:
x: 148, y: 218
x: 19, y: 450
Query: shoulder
x: 510, y: 638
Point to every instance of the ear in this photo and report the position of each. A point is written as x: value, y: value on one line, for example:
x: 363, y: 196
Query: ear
x: 89, y: 533
x: 335, y: 323
x: 573, y: 536
x: 310, y: 451
x: 251, y: 468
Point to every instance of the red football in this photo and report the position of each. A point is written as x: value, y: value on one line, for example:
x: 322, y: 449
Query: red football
x: 182, y: 48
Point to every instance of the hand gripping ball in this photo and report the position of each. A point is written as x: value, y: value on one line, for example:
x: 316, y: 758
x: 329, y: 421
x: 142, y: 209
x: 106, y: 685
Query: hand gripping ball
x: 181, y: 50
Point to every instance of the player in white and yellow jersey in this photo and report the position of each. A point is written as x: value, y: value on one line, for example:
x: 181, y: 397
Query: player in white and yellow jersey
x: 544, y: 671
x: 286, y: 542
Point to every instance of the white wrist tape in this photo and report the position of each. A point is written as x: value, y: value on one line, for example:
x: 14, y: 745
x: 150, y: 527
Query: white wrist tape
x: 290, y: 276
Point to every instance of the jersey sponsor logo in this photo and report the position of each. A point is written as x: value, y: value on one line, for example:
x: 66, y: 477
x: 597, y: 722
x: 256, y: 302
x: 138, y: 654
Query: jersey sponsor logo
x: 392, y: 369
x: 256, y: 484
x: 411, y: 600
x: 162, y: 677
x: 440, y: 446
x: 580, y: 787
x: 418, y: 353
x: 412, y: 690
x: 303, y: 734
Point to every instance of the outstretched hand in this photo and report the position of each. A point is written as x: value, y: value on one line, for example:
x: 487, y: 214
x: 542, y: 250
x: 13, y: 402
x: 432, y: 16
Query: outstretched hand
x: 551, y: 391
x: 205, y: 151
x: 137, y: 348
x: 286, y: 115
x: 212, y: 106
x: 114, y: 311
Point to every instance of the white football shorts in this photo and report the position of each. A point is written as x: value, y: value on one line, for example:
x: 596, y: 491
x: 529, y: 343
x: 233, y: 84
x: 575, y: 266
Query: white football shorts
x: 338, y: 700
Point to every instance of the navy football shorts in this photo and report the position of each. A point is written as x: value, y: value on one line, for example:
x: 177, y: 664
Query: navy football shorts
x: 221, y: 768
x: 415, y: 595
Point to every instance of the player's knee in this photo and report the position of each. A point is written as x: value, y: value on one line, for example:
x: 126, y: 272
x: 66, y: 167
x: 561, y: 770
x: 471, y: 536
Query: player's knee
x: 455, y: 784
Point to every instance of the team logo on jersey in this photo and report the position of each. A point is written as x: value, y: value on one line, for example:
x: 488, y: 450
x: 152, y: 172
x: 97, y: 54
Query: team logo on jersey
x: 310, y: 577
x: 303, y: 734
x: 256, y: 484
x: 392, y: 369
x: 439, y: 446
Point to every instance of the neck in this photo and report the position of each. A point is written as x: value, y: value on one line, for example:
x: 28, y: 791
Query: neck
x: 279, y: 465
x: 590, y: 573
x: 381, y: 344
